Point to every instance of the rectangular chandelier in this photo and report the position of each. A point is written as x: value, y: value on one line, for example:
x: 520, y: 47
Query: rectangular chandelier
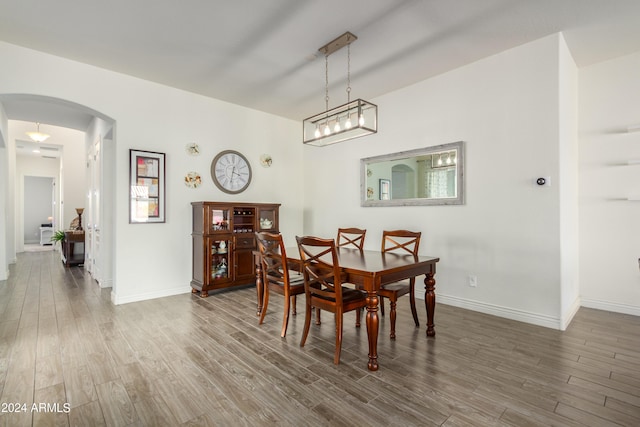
x: 352, y: 120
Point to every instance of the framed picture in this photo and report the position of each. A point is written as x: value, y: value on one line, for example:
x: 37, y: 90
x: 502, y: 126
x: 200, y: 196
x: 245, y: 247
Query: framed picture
x: 147, y: 187
x: 385, y: 189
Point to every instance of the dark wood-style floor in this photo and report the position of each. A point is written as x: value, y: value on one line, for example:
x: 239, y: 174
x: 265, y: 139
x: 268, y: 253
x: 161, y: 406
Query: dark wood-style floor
x: 184, y: 360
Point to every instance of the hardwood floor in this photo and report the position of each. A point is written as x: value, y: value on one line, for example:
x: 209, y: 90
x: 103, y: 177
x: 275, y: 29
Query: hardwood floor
x: 184, y: 360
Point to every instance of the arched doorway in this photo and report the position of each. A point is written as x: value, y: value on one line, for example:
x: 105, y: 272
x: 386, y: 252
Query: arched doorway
x: 403, y: 182
x: 99, y: 209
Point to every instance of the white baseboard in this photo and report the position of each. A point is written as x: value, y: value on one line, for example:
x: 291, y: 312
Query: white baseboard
x: 496, y: 310
x: 105, y: 284
x: 568, y: 317
x: 534, y: 318
x: 611, y: 306
x: 117, y: 300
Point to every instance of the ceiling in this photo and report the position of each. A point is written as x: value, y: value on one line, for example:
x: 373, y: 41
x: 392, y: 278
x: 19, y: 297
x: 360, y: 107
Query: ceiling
x: 264, y: 54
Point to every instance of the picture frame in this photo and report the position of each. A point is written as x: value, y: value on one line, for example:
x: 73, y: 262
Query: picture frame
x: 146, y: 187
x: 385, y: 189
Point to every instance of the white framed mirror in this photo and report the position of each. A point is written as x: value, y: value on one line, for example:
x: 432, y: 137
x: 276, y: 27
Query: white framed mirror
x: 425, y: 176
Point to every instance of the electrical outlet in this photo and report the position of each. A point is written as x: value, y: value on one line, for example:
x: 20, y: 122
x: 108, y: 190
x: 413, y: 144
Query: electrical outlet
x: 473, y: 281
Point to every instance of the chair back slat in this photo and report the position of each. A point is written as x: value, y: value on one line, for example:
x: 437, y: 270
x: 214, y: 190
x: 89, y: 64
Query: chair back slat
x: 320, y: 268
x: 401, y: 241
x: 351, y: 237
x: 273, y: 257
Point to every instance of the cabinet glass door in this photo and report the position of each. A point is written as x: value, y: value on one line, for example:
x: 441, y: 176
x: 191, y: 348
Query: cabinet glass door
x: 219, y: 260
x: 268, y: 219
x: 219, y: 219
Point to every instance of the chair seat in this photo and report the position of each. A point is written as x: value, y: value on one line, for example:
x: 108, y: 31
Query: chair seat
x: 400, y: 288
x: 348, y: 295
x: 295, y: 277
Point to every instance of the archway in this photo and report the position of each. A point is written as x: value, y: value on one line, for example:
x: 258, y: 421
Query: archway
x: 403, y: 182
x: 97, y: 128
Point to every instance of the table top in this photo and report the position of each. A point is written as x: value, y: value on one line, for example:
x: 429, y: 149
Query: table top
x: 374, y: 262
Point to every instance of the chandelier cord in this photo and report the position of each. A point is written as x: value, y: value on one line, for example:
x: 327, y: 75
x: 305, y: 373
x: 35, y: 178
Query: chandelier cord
x: 348, y: 73
x: 326, y: 82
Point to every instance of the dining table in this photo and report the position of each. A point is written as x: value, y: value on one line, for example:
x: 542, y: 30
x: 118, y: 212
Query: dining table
x: 370, y: 270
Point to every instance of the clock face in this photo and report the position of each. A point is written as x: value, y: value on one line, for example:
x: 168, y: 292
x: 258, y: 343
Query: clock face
x: 231, y: 172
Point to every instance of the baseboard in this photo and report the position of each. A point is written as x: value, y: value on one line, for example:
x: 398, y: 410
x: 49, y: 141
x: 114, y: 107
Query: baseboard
x: 117, y: 300
x: 105, y: 284
x: 495, y: 310
x: 568, y: 317
x: 615, y: 307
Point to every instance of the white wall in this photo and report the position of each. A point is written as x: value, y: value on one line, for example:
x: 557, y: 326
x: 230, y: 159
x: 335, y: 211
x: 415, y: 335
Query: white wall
x: 506, y: 109
x: 516, y: 112
x: 610, y: 225
x: 154, y: 260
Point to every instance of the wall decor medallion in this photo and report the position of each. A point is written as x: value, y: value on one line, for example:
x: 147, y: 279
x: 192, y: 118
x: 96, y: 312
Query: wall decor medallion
x: 192, y: 180
x: 193, y: 149
x: 231, y: 172
x: 266, y: 160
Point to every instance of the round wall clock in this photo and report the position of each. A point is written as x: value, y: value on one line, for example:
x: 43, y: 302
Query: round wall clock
x: 231, y: 172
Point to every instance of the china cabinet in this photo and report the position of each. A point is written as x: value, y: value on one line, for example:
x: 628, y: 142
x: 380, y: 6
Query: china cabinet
x: 223, y: 242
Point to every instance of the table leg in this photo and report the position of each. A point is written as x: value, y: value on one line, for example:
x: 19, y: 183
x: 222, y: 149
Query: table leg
x: 259, y: 287
x: 430, y: 301
x: 372, y: 329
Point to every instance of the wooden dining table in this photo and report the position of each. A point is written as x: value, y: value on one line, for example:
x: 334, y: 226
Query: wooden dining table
x: 371, y: 270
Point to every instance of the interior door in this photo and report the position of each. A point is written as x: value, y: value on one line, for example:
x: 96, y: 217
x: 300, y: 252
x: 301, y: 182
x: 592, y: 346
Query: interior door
x: 93, y: 227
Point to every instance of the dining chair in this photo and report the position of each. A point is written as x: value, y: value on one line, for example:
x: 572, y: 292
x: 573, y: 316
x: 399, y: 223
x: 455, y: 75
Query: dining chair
x: 348, y: 237
x: 277, y: 277
x: 323, y: 285
x: 352, y: 237
x: 402, y: 242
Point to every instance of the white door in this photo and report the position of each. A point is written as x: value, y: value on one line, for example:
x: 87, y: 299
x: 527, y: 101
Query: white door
x: 93, y: 226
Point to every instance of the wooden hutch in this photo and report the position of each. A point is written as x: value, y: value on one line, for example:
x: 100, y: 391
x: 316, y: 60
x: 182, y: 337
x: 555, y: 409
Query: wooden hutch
x: 223, y: 242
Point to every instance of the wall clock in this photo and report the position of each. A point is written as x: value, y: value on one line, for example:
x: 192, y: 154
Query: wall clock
x: 231, y: 172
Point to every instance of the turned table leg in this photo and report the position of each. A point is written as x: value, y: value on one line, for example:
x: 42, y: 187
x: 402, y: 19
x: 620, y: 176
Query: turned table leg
x: 430, y: 301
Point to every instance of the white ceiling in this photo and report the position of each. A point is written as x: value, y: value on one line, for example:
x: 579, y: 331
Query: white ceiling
x: 263, y: 53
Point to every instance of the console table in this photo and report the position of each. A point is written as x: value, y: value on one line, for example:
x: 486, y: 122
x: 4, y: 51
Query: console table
x: 71, y: 256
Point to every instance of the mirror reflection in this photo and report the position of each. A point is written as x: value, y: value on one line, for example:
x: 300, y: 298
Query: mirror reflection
x: 426, y: 176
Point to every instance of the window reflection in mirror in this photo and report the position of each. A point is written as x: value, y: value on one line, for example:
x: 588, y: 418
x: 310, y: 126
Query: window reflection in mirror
x: 426, y: 176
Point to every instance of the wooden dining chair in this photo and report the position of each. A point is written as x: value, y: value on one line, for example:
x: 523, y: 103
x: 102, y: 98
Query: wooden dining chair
x: 351, y: 237
x: 401, y: 242
x: 323, y: 286
x: 277, y: 277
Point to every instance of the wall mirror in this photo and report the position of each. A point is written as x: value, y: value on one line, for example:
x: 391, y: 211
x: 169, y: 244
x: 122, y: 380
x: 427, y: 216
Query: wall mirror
x: 425, y: 176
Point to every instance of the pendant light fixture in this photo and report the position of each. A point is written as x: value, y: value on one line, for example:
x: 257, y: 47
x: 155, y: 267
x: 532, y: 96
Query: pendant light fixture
x: 351, y: 120
x: 38, y: 136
